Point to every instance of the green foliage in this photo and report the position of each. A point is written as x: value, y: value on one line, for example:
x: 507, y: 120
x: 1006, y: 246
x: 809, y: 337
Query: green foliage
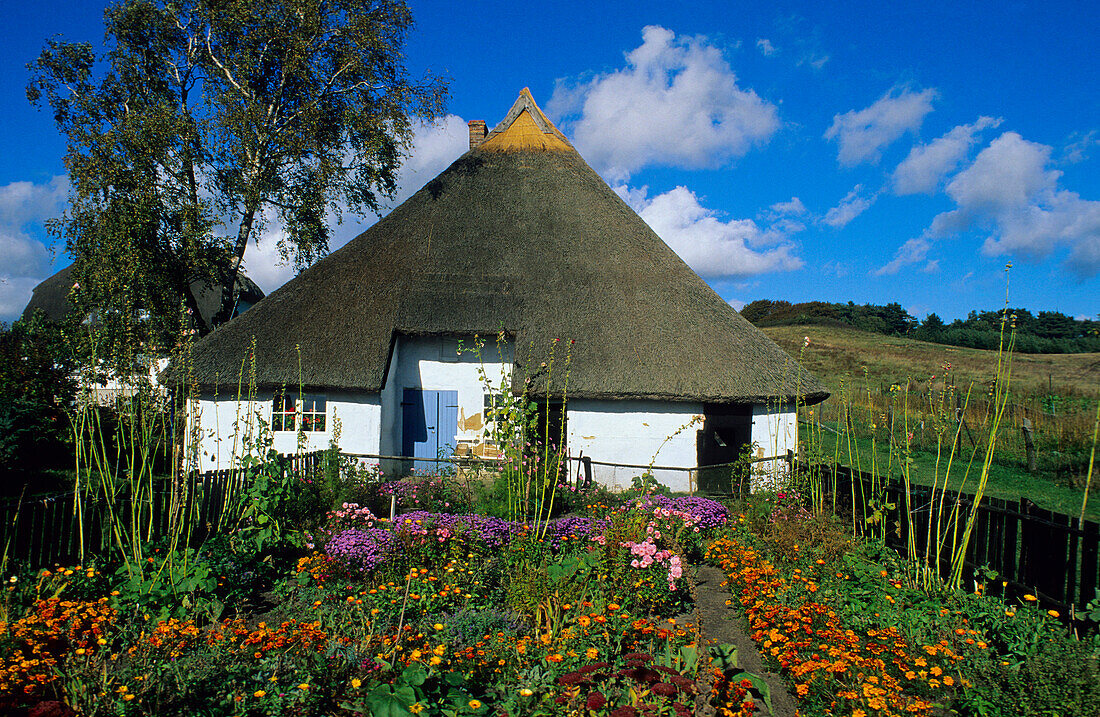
x: 266, y: 505
x: 36, y: 388
x: 200, y: 111
x: 1059, y: 677
x: 169, y: 584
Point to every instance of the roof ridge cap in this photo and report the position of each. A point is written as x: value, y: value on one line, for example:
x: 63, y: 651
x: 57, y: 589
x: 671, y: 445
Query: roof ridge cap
x: 526, y: 101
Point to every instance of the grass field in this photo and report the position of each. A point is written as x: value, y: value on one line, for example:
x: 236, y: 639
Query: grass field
x: 837, y: 352
x: 1057, y: 393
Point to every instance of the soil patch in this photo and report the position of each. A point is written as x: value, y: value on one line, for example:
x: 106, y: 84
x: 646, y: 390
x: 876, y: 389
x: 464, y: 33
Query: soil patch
x: 722, y: 624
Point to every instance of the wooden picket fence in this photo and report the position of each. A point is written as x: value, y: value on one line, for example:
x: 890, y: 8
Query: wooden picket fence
x: 1033, y: 551
x: 46, y: 530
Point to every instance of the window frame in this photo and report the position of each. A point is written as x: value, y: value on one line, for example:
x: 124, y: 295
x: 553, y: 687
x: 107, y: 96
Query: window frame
x: 302, y: 412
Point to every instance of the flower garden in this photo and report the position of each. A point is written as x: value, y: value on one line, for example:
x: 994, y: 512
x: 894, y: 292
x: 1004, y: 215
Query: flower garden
x: 448, y: 611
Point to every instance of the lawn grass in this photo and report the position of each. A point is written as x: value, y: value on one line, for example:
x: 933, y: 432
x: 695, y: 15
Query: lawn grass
x: 1006, y: 481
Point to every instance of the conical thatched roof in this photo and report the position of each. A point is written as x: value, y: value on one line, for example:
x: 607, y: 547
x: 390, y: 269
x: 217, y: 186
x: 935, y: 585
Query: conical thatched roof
x: 520, y: 234
x: 52, y: 296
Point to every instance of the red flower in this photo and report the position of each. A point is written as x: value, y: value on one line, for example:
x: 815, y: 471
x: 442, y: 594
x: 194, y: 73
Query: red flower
x: 596, y: 700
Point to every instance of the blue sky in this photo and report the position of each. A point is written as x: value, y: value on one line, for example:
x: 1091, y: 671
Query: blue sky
x: 866, y: 152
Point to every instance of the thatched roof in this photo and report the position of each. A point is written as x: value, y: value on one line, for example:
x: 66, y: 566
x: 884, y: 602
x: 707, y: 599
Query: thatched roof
x: 520, y: 234
x: 52, y: 296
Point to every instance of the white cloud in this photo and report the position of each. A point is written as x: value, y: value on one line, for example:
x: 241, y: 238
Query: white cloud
x: 1078, y: 149
x: 710, y: 246
x: 434, y: 148
x: 1010, y: 193
x: 785, y: 217
x: 794, y: 207
x: 926, y: 165
x: 766, y: 47
x: 15, y: 292
x: 913, y: 251
x: 737, y: 304
x: 864, y: 133
x: 27, y: 260
x: 853, y: 204
x: 675, y: 103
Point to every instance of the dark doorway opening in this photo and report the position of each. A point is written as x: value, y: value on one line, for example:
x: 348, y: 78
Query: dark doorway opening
x: 727, y: 430
x: 546, y: 432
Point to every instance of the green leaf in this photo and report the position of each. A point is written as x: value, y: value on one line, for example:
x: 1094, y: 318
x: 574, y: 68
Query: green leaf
x: 414, y: 675
x: 385, y: 701
x: 760, y: 686
x: 726, y: 655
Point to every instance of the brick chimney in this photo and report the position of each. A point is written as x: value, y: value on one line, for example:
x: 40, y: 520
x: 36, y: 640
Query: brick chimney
x: 478, y: 130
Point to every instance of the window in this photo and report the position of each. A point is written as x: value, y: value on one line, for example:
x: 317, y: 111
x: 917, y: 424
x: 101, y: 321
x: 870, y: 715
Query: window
x: 289, y: 413
x: 282, y: 413
x: 313, y: 413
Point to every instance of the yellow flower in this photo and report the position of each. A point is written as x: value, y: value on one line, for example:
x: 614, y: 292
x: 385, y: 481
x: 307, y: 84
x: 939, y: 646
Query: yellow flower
x: 355, y: 683
x: 474, y: 704
x: 438, y: 626
x: 128, y: 697
x: 416, y: 708
x: 435, y: 660
x: 591, y: 653
x: 258, y: 693
x: 304, y: 686
x: 1030, y: 598
x: 1053, y: 613
x: 527, y: 692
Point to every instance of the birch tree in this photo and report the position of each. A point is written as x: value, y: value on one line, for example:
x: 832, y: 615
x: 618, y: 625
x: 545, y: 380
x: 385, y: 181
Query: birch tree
x: 202, y: 118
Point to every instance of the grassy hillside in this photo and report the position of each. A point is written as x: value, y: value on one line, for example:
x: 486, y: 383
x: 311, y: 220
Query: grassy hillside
x: 837, y: 352
x: 1055, y: 394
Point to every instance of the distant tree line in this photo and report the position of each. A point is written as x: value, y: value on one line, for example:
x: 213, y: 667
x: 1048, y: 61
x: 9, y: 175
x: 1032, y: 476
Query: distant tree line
x: 1044, y: 332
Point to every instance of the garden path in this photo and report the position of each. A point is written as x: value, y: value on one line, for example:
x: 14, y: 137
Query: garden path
x: 722, y: 624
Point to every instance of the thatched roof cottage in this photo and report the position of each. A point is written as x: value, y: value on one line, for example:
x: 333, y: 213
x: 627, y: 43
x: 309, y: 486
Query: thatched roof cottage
x: 518, y: 236
x: 51, y: 296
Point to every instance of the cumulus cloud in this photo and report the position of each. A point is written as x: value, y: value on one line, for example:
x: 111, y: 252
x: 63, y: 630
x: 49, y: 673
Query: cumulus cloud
x: 710, y: 246
x: 676, y: 103
x: 1010, y: 192
x: 926, y: 165
x: 862, y: 134
x: 24, y: 207
x: 433, y: 149
x: 767, y: 49
x: 853, y: 204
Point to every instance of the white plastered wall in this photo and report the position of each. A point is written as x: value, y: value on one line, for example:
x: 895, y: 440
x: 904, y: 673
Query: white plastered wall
x: 634, y: 432
x: 774, y: 432
x: 226, y: 427
x: 433, y: 363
